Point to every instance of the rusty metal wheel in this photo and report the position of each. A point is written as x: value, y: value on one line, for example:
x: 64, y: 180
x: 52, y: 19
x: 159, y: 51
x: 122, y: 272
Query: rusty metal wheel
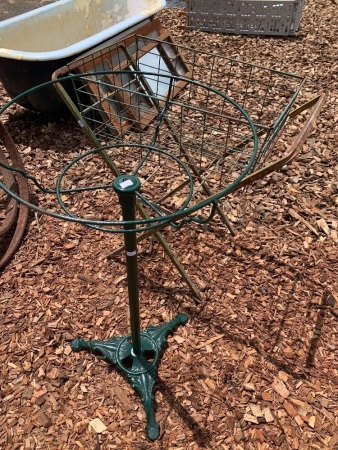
x: 13, y: 216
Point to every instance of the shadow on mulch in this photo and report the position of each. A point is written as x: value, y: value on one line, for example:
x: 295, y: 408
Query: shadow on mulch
x: 294, y: 368
x: 44, y: 130
x: 200, y: 435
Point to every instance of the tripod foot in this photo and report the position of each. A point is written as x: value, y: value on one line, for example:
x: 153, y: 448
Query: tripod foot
x: 141, y: 370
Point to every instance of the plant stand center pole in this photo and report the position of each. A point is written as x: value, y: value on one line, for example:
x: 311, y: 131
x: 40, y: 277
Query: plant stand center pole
x: 136, y: 355
x: 126, y: 188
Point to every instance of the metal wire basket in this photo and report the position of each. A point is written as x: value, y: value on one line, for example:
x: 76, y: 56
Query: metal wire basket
x: 152, y: 92
x: 266, y: 95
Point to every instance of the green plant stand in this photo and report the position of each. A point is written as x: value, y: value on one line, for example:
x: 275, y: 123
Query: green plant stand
x: 136, y: 355
x: 189, y: 148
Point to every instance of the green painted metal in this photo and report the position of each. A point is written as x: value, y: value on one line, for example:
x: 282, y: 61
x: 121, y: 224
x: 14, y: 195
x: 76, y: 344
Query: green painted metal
x: 92, y: 138
x: 184, y: 214
x: 141, y: 370
x: 136, y: 355
x: 126, y: 188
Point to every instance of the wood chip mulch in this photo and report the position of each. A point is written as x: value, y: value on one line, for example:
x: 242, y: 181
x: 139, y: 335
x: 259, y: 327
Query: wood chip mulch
x: 256, y: 366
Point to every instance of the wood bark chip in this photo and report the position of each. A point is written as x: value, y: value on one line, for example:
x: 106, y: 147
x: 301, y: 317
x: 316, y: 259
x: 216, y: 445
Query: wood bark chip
x: 97, y: 425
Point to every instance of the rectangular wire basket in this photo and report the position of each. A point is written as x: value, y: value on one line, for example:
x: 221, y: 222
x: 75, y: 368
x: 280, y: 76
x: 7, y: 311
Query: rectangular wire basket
x: 121, y: 107
x: 267, y: 95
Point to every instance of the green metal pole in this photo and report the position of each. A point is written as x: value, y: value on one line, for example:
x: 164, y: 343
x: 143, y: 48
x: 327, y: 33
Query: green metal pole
x: 126, y: 187
x: 138, y: 354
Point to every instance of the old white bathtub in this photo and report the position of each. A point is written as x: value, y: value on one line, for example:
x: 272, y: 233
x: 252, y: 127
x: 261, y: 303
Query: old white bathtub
x: 33, y: 45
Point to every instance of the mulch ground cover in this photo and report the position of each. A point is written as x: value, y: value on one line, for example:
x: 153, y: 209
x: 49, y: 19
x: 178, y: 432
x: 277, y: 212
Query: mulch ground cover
x: 256, y: 366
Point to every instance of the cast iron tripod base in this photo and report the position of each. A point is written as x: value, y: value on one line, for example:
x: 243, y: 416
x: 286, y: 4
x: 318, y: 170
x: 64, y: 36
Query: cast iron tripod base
x: 141, y: 370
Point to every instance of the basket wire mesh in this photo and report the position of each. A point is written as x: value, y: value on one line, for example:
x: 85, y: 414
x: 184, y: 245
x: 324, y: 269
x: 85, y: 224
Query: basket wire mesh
x: 156, y: 94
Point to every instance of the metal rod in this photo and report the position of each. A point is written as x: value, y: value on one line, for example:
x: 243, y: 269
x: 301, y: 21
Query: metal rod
x: 92, y: 137
x: 126, y: 187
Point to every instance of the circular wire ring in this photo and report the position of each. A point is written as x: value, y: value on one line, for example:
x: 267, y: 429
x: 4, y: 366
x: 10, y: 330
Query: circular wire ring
x: 150, y: 223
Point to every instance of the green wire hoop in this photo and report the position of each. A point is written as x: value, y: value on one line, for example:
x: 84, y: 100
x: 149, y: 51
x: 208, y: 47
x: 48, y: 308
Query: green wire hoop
x: 183, y: 215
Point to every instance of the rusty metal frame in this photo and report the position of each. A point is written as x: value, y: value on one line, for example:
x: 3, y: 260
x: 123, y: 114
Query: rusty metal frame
x: 317, y: 103
x: 15, y: 214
